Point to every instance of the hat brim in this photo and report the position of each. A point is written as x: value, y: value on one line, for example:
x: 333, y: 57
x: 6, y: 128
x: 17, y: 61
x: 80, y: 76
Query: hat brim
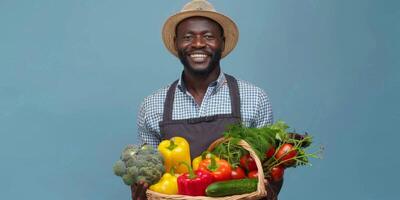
x: 231, y: 32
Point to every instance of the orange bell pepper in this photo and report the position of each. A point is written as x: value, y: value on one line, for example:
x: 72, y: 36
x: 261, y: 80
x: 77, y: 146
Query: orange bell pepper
x: 198, y: 159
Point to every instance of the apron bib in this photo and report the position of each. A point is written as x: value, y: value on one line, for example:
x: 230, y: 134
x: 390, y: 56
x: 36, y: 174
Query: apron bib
x: 202, y: 131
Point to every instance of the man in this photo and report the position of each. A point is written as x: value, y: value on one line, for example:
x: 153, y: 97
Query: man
x: 204, y: 100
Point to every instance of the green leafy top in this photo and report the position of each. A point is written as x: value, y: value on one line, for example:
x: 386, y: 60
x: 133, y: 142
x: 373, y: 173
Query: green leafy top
x: 260, y: 139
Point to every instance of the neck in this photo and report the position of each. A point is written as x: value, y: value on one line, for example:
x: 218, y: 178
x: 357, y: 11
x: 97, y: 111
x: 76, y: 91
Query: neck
x: 197, y: 84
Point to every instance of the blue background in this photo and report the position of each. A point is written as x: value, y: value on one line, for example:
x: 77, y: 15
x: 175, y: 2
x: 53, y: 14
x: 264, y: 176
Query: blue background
x: 73, y: 73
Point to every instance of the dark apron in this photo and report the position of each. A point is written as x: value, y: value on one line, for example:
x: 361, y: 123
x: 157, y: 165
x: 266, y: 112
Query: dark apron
x: 202, y: 131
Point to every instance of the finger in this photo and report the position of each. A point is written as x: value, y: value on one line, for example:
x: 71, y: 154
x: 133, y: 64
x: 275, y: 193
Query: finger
x: 143, y: 192
x: 133, y: 187
x: 133, y: 190
x: 271, y: 195
x: 138, y: 191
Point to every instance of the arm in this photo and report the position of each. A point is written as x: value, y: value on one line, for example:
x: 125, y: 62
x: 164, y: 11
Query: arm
x: 264, y: 111
x: 265, y: 117
x: 273, y: 189
x: 145, y: 136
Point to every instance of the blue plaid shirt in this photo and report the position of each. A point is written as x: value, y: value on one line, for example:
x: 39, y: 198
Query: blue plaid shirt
x: 254, y: 106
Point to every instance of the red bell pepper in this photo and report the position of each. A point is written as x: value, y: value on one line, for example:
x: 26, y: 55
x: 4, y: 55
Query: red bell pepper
x: 221, y: 169
x: 194, y: 183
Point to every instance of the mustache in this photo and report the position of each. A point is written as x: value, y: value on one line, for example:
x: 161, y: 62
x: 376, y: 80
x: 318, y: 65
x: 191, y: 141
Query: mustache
x: 215, y: 58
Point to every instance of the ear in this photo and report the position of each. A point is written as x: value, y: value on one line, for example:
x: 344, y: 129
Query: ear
x: 223, y: 43
x: 175, y: 45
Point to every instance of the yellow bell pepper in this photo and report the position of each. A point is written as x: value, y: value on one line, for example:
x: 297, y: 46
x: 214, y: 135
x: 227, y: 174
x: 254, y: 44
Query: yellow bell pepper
x: 198, y: 159
x: 175, y: 151
x: 167, y: 184
x: 195, y: 162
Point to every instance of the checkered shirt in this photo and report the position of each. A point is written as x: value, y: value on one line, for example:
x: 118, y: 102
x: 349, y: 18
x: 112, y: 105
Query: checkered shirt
x: 255, y: 107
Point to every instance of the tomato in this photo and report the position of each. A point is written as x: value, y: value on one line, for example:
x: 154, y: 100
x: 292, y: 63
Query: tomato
x: 270, y: 152
x: 253, y: 174
x: 277, y: 173
x: 238, y: 173
x: 285, y: 153
x: 248, y: 163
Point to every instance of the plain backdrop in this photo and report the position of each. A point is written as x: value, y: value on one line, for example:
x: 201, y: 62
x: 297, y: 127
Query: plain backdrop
x: 73, y: 74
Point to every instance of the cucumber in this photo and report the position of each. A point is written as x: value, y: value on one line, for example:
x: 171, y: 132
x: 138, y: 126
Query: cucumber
x: 232, y: 187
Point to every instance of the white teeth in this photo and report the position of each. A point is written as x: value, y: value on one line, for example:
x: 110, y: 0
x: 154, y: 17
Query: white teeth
x: 198, y: 55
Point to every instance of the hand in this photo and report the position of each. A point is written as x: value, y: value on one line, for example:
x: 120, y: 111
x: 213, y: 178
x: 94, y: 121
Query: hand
x: 139, y: 190
x: 273, y: 188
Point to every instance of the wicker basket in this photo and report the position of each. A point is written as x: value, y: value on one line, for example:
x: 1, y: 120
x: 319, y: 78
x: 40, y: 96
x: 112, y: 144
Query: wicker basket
x: 259, y: 193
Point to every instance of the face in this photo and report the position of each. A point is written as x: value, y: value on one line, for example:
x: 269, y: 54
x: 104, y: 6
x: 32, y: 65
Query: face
x: 199, y: 42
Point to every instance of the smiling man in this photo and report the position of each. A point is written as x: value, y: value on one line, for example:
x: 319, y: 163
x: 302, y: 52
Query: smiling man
x: 204, y: 101
x: 199, y: 42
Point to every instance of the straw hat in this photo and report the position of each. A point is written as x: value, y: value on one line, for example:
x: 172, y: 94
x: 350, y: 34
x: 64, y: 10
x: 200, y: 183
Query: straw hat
x: 204, y: 9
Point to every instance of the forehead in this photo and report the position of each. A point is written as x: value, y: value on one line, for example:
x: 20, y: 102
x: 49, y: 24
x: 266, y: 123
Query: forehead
x: 198, y: 24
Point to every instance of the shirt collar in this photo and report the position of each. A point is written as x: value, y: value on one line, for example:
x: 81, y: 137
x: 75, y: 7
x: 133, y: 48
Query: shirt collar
x: 221, y: 80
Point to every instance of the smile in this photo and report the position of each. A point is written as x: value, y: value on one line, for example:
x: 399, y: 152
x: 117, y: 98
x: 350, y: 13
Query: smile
x: 198, y: 57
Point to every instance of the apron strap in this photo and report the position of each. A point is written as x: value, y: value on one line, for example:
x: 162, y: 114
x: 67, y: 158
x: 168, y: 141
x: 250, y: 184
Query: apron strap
x: 169, y: 102
x: 233, y: 93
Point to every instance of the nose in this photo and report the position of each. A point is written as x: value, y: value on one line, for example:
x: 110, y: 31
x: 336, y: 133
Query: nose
x: 198, y: 42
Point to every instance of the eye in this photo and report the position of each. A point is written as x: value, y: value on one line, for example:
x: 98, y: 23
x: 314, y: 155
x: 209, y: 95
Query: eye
x: 187, y: 37
x: 208, y: 37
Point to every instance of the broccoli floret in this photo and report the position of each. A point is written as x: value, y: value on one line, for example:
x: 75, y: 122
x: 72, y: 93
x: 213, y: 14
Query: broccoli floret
x: 133, y: 171
x: 129, y: 152
x: 128, y: 179
x: 130, y: 162
x: 140, y: 164
x: 119, y: 168
x: 146, y: 149
x: 151, y: 174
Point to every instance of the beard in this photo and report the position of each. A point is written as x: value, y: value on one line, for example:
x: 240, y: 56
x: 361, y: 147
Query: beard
x: 213, y: 63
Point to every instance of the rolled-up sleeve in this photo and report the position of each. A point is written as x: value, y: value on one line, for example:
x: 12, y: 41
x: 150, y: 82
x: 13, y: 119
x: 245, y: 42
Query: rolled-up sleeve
x: 145, y: 134
x: 264, y: 110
